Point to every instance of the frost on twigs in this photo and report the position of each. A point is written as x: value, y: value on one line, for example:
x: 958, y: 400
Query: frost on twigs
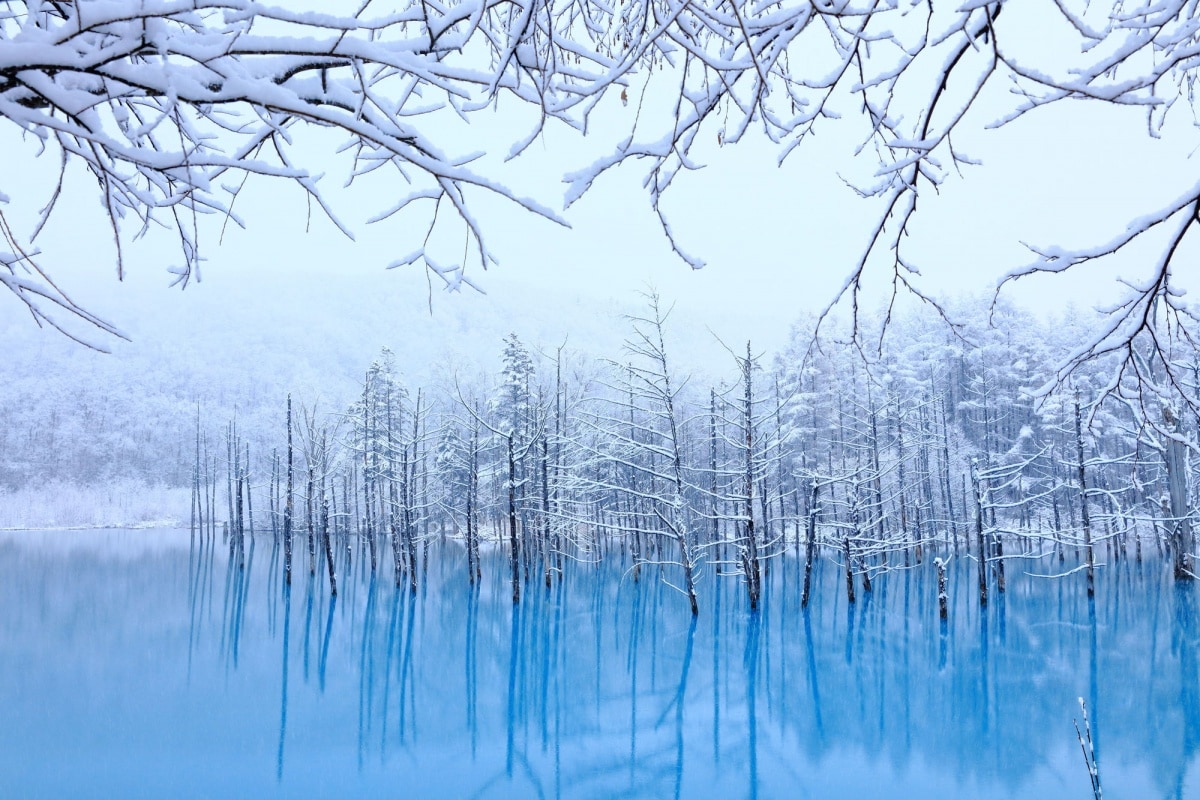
x: 1088, y: 747
x: 913, y: 84
x: 172, y: 106
x: 1149, y: 335
x: 45, y: 302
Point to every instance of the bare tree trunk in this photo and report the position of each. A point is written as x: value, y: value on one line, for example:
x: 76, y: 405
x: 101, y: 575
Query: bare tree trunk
x: 715, y: 530
x: 197, y: 510
x: 810, y: 546
x: 548, y: 559
x: 367, y: 476
x: 514, y: 544
x: 558, y: 457
x: 635, y: 501
x: 389, y: 495
x: 750, y: 557
x: 273, y: 494
x: 849, y: 569
x: 472, y: 503
x: 406, y: 520
x: 249, y: 498
x: 287, y: 508
x: 779, y: 470
x: 941, y: 578
x: 949, y: 489
x: 903, y: 491
x: 347, y: 519
x: 240, y: 481
x: 229, y: 474
x: 416, y: 470
x: 325, y: 517
x: 394, y: 533
x: 1083, y: 502
x: 876, y: 479
x: 210, y: 479
x: 1181, y: 529
x: 308, y: 510
x: 979, y: 537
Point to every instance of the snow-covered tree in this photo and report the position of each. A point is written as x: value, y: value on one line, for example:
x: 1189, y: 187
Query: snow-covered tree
x: 514, y: 399
x: 655, y: 447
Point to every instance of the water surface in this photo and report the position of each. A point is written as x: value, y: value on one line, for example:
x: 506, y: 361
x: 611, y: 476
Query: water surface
x: 148, y: 664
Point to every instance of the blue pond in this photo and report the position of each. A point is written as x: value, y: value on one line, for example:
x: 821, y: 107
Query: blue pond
x: 148, y: 664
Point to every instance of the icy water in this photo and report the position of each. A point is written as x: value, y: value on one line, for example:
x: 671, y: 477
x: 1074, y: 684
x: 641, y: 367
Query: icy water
x: 143, y: 664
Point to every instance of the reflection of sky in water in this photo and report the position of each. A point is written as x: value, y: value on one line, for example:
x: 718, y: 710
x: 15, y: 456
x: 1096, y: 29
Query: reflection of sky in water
x: 134, y: 665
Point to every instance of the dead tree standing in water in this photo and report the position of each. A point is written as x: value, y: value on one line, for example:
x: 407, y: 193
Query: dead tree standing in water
x: 751, y: 565
x: 287, y: 506
x: 654, y: 384
x: 1181, y: 529
x: 981, y: 548
x: 1083, y: 501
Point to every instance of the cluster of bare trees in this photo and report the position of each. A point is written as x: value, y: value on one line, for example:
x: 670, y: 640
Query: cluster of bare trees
x: 939, y: 447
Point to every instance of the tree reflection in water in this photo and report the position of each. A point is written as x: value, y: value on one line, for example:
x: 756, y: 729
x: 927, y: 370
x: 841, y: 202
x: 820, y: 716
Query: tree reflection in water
x: 598, y: 687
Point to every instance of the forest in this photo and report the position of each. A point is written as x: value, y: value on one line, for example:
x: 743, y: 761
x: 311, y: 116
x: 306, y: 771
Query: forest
x: 934, y: 442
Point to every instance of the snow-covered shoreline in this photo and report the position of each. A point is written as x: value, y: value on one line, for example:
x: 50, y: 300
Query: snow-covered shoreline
x: 125, y: 503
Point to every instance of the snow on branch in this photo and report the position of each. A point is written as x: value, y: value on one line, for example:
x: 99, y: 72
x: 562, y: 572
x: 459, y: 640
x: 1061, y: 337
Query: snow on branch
x: 171, y: 105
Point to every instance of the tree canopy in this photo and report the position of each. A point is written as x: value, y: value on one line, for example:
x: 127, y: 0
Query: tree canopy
x: 172, y: 106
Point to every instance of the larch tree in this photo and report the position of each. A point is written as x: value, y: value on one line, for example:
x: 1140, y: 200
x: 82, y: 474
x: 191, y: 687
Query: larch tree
x: 651, y: 380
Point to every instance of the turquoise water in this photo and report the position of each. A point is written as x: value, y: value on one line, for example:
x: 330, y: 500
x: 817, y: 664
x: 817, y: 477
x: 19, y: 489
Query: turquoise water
x: 147, y: 664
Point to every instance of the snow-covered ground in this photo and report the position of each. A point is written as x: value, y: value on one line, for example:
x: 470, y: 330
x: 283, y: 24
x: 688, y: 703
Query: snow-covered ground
x: 126, y: 503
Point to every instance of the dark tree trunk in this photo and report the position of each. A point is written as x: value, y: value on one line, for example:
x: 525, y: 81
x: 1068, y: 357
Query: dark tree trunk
x: 941, y: 579
x: 1181, y: 529
x: 287, y: 507
x: 810, y: 546
x: 513, y: 541
x: 325, y: 531
x: 849, y: 569
x: 1083, y: 502
x: 979, y: 537
x: 750, y: 558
